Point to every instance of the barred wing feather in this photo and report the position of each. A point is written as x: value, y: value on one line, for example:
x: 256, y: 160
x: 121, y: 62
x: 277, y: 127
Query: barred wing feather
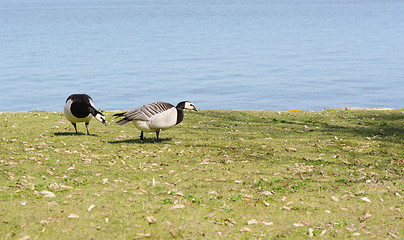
x: 145, y: 112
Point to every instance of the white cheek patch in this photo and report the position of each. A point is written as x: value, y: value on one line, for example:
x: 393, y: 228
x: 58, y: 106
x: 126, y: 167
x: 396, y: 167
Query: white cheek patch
x: 189, y: 106
x: 100, y: 118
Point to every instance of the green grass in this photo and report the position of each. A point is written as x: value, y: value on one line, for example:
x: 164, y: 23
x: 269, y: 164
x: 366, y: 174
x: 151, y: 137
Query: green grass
x: 219, y: 174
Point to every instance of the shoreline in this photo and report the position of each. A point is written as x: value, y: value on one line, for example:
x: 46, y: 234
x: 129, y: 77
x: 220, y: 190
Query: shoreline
x: 287, y: 110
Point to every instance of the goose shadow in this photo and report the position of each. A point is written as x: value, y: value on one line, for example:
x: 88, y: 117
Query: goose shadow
x: 72, y: 134
x: 146, y: 140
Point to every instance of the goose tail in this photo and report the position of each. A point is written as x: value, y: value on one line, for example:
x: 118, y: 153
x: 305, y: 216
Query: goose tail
x: 122, y: 121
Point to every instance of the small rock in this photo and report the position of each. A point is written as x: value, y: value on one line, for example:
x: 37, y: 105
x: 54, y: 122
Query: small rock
x: 91, y: 207
x: 44, y: 222
x: 47, y: 194
x: 53, y: 203
x: 178, y: 206
x: 268, y: 223
x: 73, y: 216
x: 143, y: 235
x: 286, y: 208
x: 252, y: 221
x: 151, y: 219
x: 267, y: 193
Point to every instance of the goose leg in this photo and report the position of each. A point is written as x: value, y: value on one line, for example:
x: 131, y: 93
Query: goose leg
x: 141, y: 136
x: 157, y: 134
x: 88, y: 133
x: 74, y: 124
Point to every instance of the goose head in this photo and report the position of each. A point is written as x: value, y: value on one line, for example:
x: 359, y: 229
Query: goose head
x: 186, y: 105
x: 100, y: 117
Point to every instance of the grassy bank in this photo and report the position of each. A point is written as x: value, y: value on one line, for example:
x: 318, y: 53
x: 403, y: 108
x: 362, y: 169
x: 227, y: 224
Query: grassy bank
x: 219, y: 174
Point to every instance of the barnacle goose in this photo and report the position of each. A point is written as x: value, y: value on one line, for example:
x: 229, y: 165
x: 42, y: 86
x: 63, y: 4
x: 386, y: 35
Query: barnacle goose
x: 154, y: 117
x: 80, y: 108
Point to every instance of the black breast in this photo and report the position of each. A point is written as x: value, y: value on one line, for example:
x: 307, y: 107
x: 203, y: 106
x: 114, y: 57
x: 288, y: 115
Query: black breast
x: 80, y: 105
x: 180, y: 115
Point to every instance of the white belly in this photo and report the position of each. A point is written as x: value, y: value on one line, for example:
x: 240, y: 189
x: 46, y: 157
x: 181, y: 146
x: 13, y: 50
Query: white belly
x: 160, y: 121
x: 143, y: 126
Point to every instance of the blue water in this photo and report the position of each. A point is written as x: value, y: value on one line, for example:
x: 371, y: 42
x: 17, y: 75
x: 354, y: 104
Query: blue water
x: 227, y: 54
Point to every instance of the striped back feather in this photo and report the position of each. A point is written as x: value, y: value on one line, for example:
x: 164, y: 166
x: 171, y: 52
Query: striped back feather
x: 144, y: 113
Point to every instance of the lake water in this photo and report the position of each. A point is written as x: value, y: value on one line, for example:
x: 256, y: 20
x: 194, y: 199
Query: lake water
x: 220, y: 54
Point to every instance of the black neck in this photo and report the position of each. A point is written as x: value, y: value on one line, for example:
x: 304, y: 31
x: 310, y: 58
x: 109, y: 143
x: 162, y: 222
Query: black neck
x: 181, y: 105
x: 180, y: 115
x: 92, y: 110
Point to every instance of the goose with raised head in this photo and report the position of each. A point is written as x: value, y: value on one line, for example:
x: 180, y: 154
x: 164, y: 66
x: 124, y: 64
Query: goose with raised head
x: 80, y: 108
x: 155, y: 117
